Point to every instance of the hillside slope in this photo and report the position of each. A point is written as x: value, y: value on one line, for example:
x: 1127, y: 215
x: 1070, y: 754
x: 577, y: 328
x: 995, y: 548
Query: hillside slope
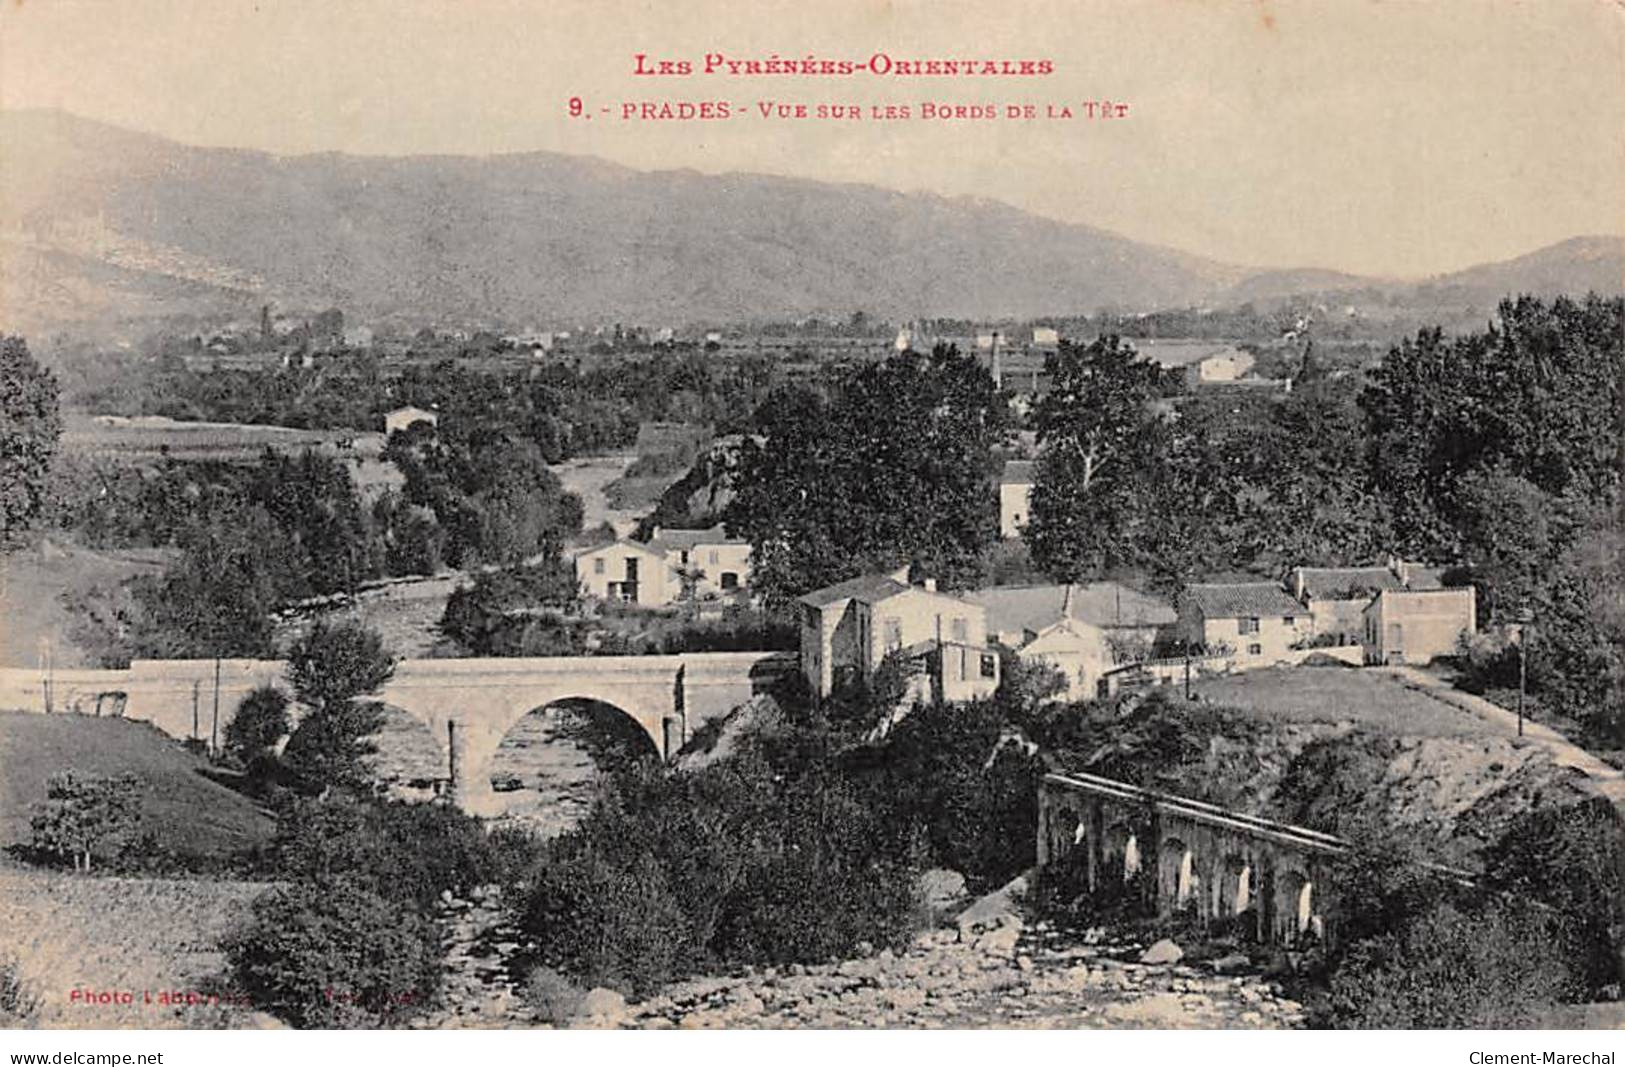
x: 186, y: 811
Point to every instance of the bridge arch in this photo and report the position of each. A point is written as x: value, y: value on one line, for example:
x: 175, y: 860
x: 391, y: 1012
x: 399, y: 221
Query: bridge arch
x: 1176, y: 877
x: 547, y: 764
x: 1295, y: 905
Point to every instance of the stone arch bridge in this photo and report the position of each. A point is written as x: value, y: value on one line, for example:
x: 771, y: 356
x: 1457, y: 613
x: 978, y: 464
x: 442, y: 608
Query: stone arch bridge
x: 468, y: 704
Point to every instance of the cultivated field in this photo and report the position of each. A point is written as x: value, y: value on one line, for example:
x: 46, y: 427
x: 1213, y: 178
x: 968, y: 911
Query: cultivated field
x: 141, y: 940
x: 151, y: 436
x: 1338, y: 695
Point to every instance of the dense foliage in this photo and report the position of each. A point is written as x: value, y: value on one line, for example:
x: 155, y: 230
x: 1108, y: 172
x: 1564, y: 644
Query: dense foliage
x: 897, y: 468
x: 1496, y: 454
x: 29, y: 427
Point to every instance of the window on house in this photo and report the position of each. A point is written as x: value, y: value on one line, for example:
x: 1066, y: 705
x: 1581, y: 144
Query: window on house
x: 990, y: 665
x: 685, y: 557
x: 730, y: 580
x: 598, y: 565
x: 1248, y: 626
x: 960, y: 630
x: 894, y: 634
x: 1255, y: 650
x: 1290, y: 620
x: 714, y: 556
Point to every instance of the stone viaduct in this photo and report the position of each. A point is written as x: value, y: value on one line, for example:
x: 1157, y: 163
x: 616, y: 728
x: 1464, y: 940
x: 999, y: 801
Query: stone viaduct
x: 1271, y: 879
x: 468, y: 704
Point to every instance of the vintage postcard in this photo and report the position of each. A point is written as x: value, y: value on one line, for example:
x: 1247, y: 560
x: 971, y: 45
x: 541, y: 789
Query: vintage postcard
x: 528, y: 515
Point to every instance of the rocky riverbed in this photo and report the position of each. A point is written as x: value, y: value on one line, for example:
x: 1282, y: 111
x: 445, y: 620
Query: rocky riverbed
x: 992, y: 971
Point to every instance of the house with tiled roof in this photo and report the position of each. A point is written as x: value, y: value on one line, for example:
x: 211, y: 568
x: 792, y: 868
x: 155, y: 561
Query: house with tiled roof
x: 1407, y: 625
x: 1082, y: 631
x: 709, y: 561
x: 1255, y: 622
x: 849, y: 628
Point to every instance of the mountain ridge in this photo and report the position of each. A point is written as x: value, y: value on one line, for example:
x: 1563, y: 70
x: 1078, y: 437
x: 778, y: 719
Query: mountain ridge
x: 542, y: 237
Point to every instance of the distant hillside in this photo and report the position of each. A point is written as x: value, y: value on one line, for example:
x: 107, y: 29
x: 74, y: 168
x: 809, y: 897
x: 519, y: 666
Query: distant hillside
x: 531, y: 237
x: 101, y: 223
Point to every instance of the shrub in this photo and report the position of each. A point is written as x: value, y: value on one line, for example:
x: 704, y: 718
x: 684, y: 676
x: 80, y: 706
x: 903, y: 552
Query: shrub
x: 82, y: 816
x: 17, y: 1003
x: 261, y: 721
x: 552, y: 996
x: 407, y: 853
x: 1572, y: 859
x: 611, y: 920
x: 1500, y: 967
x: 333, y: 953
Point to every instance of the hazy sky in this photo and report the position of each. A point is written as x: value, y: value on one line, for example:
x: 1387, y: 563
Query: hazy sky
x: 1387, y: 138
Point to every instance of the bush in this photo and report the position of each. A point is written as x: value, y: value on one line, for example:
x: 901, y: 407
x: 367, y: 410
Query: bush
x: 333, y: 953
x: 1500, y: 967
x: 82, y: 816
x: 610, y: 920
x: 553, y: 997
x: 261, y: 721
x: 406, y: 853
x: 17, y: 1003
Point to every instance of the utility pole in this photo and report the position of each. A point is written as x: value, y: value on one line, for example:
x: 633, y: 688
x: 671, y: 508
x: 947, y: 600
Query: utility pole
x: 1525, y: 618
x: 214, y: 729
x: 1187, y: 645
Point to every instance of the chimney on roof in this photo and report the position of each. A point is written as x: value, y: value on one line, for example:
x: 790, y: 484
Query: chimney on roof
x: 930, y: 585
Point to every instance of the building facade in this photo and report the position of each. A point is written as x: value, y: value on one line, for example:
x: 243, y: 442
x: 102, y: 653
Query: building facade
x: 1418, y: 625
x: 625, y: 572
x: 713, y: 563
x: 850, y: 628
x: 1015, y: 496
x: 1255, y: 622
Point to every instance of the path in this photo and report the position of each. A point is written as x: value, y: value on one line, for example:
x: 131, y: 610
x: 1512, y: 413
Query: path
x: 1608, y: 780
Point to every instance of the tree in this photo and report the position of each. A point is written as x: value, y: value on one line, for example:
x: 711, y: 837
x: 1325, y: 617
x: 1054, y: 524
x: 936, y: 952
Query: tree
x: 1099, y: 432
x: 217, y: 599
x: 30, y: 425
x: 331, y: 668
x: 261, y: 721
x: 83, y: 815
x: 898, y: 468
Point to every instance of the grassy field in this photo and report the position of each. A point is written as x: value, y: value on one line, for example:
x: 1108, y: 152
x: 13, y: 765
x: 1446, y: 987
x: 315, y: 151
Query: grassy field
x: 141, y: 937
x: 188, y: 812
x: 32, y: 584
x: 1334, y: 696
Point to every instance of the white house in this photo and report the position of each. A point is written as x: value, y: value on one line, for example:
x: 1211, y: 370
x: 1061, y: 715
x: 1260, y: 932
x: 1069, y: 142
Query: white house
x: 1046, y: 336
x: 716, y: 563
x: 1258, y: 622
x: 628, y: 572
x: 1418, y: 625
x: 401, y: 418
x: 1015, y: 496
x: 848, y: 629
